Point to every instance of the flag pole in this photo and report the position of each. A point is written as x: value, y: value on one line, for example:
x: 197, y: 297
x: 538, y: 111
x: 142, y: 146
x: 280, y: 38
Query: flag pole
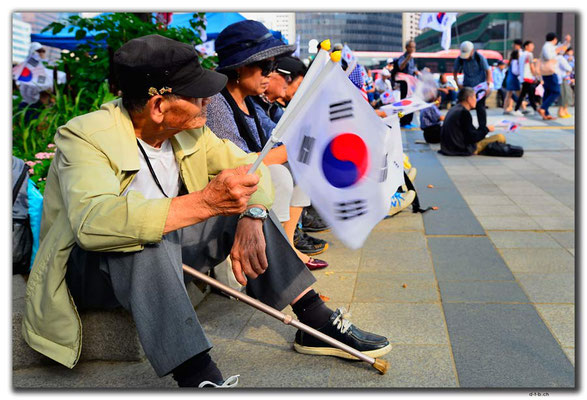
x: 306, y: 85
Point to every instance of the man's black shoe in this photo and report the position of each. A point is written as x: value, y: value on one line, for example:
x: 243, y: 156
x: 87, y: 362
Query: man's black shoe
x: 344, y: 331
x: 312, y: 222
x: 308, y: 244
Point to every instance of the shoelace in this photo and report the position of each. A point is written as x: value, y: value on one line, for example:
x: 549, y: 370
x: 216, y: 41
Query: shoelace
x: 230, y: 382
x: 341, y: 321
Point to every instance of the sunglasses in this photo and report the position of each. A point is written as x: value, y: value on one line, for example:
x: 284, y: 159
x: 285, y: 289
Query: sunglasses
x: 267, y: 66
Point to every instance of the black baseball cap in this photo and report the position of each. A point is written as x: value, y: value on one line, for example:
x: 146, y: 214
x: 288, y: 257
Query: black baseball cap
x: 291, y: 66
x: 154, y: 64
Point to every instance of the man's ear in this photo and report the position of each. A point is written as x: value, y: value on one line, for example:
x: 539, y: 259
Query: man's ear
x: 156, y: 108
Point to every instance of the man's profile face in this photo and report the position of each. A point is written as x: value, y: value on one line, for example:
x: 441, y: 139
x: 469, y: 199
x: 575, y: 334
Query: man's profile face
x: 186, y: 113
x: 293, y: 87
x: 277, y: 86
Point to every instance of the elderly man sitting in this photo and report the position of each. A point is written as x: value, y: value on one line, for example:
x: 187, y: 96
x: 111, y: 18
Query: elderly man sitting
x: 141, y: 186
x: 458, y: 135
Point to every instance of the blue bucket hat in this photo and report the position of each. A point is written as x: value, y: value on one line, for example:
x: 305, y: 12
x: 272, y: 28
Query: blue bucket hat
x: 246, y: 42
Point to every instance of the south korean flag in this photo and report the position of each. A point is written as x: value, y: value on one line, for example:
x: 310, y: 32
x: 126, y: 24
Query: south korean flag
x: 343, y: 156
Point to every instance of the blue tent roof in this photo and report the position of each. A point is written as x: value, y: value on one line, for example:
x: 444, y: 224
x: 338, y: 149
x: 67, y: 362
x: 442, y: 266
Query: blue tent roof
x: 215, y: 23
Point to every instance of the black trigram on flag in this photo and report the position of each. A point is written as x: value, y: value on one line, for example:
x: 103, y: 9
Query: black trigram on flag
x: 340, y: 110
x: 306, y: 149
x: 383, y: 171
x: 350, y: 209
x: 33, y: 62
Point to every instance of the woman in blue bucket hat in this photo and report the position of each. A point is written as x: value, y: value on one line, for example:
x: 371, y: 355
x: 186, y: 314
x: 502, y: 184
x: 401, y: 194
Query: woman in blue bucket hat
x: 247, y: 54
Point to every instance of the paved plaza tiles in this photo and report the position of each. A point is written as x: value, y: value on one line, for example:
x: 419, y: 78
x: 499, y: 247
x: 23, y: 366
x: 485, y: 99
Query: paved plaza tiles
x: 477, y: 294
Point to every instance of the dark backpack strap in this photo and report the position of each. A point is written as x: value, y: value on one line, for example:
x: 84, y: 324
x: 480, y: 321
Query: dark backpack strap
x: 16, y: 187
x: 243, y: 128
x: 416, y: 203
x: 253, y: 113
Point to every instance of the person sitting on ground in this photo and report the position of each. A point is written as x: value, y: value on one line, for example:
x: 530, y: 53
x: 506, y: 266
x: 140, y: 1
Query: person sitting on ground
x: 248, y: 63
x: 431, y: 122
x: 458, y: 136
x: 141, y: 186
x: 447, y: 92
x: 297, y: 70
x: 383, y: 83
x: 266, y: 104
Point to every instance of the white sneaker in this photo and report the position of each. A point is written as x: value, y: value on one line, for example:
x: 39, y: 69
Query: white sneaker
x: 518, y: 113
x: 508, y: 112
x: 399, y: 201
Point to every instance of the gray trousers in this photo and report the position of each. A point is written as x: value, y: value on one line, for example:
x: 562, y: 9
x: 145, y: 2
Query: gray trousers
x: 151, y: 284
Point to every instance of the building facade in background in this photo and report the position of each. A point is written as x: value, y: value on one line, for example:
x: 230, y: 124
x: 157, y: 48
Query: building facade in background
x: 410, y: 26
x: 497, y: 31
x: 284, y: 22
x: 360, y: 31
x: 21, y: 38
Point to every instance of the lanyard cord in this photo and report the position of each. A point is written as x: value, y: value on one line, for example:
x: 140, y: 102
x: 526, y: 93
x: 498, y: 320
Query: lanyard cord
x: 151, y: 169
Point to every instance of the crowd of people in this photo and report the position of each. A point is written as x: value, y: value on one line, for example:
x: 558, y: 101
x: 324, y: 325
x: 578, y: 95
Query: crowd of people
x: 158, y: 178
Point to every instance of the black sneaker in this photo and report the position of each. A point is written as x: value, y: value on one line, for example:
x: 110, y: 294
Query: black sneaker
x: 307, y: 244
x: 311, y: 221
x: 344, y: 331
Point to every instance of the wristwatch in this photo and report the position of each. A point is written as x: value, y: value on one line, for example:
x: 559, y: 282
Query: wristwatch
x: 255, y: 213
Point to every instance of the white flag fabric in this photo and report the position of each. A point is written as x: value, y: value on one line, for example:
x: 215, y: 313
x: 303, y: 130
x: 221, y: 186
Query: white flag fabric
x: 437, y: 21
x: 343, y: 156
x: 32, y: 78
x: 390, y: 96
x: 348, y: 55
x: 441, y: 22
x: 406, y: 106
x: 481, y: 90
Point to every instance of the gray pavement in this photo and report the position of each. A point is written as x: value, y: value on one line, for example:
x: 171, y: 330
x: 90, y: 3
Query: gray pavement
x: 477, y: 294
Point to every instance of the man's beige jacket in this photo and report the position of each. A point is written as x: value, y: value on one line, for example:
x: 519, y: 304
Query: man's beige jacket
x: 96, y: 159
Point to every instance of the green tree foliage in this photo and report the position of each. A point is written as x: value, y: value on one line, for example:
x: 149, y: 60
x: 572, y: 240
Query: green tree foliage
x: 91, y: 63
x: 90, y: 80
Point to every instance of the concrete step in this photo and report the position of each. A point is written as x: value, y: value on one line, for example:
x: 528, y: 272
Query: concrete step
x: 107, y: 335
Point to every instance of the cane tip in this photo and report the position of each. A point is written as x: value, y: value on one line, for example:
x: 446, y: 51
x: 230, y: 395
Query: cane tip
x: 335, y: 56
x: 381, y: 365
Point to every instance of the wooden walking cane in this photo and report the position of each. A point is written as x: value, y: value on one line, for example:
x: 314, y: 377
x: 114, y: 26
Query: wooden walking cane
x: 379, y: 364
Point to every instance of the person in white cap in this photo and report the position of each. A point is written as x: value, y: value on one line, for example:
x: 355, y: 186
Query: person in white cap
x: 389, y: 65
x: 475, y: 70
x: 34, y: 81
x: 383, y: 83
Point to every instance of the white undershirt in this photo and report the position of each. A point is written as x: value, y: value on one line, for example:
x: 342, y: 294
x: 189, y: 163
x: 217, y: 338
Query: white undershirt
x: 165, y: 166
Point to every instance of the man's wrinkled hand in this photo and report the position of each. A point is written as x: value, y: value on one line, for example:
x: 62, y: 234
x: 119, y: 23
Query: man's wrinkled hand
x: 248, y: 250
x: 230, y: 191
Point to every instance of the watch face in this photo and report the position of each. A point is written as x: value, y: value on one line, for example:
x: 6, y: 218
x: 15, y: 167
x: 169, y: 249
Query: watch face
x: 256, y: 212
